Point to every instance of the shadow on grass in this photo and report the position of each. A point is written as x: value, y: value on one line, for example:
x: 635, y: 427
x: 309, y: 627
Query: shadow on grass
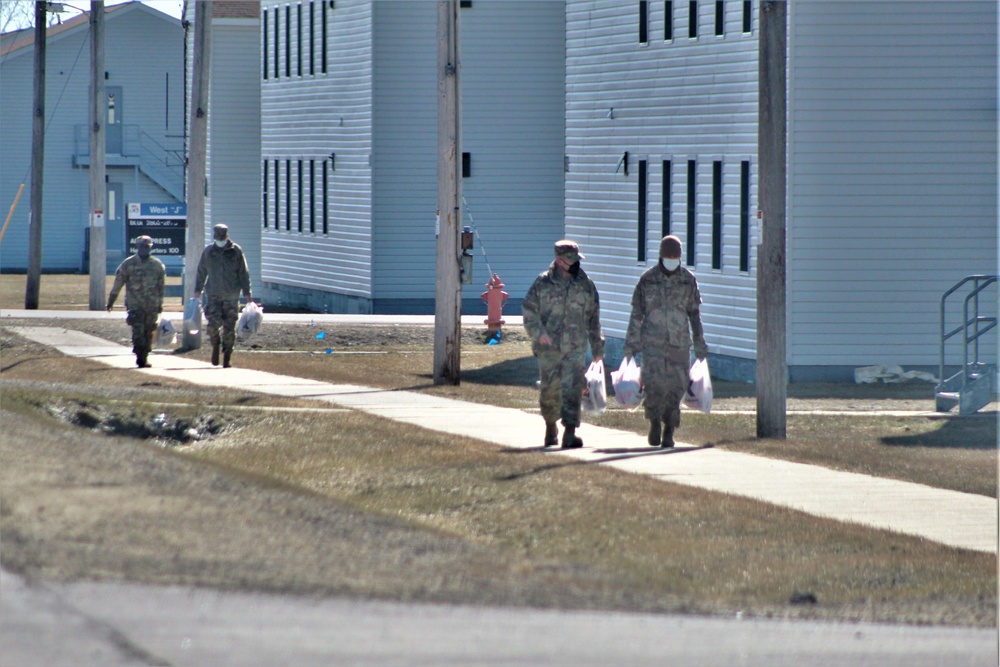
x: 841, y: 390
x: 972, y: 432
x: 619, y: 454
x: 520, y: 372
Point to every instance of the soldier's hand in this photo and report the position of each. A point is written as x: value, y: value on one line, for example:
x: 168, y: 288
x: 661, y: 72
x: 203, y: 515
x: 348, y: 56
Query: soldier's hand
x: 109, y: 307
x: 701, y: 351
x: 544, y: 339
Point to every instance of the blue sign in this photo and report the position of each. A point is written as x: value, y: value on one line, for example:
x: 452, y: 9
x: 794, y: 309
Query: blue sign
x: 165, y: 223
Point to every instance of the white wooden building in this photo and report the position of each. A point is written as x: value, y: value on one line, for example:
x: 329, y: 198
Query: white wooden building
x: 349, y: 150
x: 892, y: 167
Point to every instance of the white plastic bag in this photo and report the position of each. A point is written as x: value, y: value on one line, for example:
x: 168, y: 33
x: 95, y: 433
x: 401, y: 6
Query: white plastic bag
x: 595, y: 394
x: 250, y: 320
x: 166, y: 333
x: 699, y: 393
x: 192, y: 325
x: 627, y: 383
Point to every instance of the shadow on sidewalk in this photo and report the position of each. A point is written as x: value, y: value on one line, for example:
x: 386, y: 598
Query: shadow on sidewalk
x: 619, y: 454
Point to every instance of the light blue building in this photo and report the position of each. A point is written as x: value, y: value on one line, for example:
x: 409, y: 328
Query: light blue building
x: 144, y: 79
x: 892, y: 168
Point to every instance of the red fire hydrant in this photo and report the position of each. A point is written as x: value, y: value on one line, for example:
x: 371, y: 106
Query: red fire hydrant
x: 495, y: 298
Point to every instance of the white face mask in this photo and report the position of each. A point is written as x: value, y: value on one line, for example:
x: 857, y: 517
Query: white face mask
x: 221, y: 244
x: 670, y: 264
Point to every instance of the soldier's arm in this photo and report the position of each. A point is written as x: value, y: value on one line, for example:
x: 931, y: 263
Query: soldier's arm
x: 632, y: 333
x: 697, y: 330
x: 116, y: 288
x: 596, y: 335
x: 202, y: 274
x: 530, y: 313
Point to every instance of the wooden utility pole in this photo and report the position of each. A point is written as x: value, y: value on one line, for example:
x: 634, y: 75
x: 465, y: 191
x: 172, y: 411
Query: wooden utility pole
x: 772, y: 370
x: 197, y: 154
x: 448, y: 293
x: 98, y: 193
x: 33, y: 285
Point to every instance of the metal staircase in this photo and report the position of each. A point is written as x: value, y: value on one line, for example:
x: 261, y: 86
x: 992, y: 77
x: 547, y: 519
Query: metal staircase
x: 972, y: 386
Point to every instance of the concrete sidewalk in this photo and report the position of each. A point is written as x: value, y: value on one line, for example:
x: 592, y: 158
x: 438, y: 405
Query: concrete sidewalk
x: 956, y: 519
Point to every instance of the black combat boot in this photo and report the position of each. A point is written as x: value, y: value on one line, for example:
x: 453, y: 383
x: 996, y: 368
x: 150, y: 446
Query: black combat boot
x: 140, y: 359
x: 654, y: 433
x: 668, y: 436
x: 570, y: 440
x: 551, y: 434
x: 226, y: 356
x: 215, y: 354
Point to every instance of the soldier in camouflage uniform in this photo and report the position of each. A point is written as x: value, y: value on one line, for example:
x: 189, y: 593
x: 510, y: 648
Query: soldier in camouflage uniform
x: 142, y: 276
x: 666, y: 317
x: 562, y: 314
x: 223, y: 274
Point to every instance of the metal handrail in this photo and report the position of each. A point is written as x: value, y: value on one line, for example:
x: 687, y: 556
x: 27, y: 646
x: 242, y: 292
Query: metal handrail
x: 981, y: 283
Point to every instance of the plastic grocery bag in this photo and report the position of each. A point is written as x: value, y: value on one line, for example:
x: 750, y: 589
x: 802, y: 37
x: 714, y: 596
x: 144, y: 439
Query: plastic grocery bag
x: 595, y: 394
x: 250, y: 320
x: 699, y: 393
x: 192, y: 316
x: 166, y: 333
x: 627, y: 383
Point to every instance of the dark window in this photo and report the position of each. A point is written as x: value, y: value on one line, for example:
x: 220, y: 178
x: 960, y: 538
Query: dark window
x: 298, y: 39
x: 277, y: 194
x: 717, y: 214
x: 665, y: 198
x: 288, y: 40
x: 312, y: 37
x: 288, y: 195
x: 323, y: 41
x: 720, y: 17
x: 312, y: 196
x: 267, y: 194
x: 643, y: 22
x: 747, y: 16
x: 693, y: 19
x: 668, y: 20
x: 300, y: 199
x: 326, y: 198
x: 692, y: 211
x: 745, y: 216
x: 466, y: 165
x: 643, y: 185
x: 465, y: 4
x: 277, y: 42
x: 264, y: 51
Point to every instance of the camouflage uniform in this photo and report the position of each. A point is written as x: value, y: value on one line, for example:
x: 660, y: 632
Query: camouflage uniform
x: 567, y: 308
x: 665, y: 316
x: 143, y: 280
x: 223, y: 274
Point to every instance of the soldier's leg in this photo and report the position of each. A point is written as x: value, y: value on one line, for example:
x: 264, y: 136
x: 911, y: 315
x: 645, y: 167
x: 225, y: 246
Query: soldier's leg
x: 230, y: 313
x: 574, y: 367
x: 213, y: 317
x: 149, y: 323
x: 550, y: 394
x: 678, y: 363
x: 136, y: 320
x: 654, y: 382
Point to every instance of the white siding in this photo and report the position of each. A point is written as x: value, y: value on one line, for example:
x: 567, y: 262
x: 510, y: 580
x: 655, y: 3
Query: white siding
x: 310, y: 116
x: 892, y: 174
x: 678, y: 100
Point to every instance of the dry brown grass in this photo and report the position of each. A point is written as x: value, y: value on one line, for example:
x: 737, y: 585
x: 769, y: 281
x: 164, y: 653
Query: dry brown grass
x: 65, y: 291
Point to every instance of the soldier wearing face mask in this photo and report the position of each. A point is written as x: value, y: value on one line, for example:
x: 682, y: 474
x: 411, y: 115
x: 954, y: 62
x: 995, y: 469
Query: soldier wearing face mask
x: 142, y: 276
x: 666, y: 319
x: 223, y: 274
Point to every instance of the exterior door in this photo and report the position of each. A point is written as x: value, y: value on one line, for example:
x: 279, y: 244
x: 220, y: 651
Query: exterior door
x: 114, y: 111
x: 114, y: 220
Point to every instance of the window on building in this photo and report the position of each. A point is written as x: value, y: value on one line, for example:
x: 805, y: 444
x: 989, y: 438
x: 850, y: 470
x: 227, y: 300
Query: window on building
x: 665, y: 199
x: 717, y: 214
x: 267, y: 195
x: 643, y: 196
x: 277, y: 194
x: 747, y: 16
x: 265, y: 51
x: 312, y: 196
x: 300, y: 199
x: 326, y: 196
x: 692, y: 211
x: 312, y: 37
x: 298, y: 40
x: 693, y: 19
x: 720, y: 18
x: 668, y: 20
x: 466, y: 165
x: 745, y: 216
x: 277, y: 42
x: 288, y: 40
x: 288, y: 195
x: 323, y: 39
x: 643, y: 21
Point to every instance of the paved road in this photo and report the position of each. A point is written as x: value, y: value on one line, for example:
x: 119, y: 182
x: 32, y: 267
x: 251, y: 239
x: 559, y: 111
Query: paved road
x: 111, y: 625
